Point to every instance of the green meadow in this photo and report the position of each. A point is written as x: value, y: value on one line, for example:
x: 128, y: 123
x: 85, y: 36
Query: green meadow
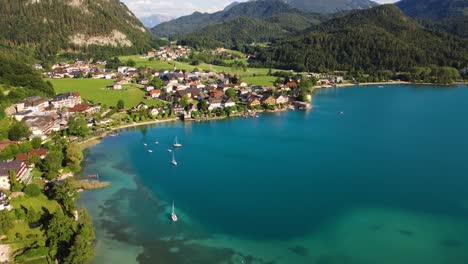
x: 95, y: 91
x: 260, y: 80
x: 165, y: 65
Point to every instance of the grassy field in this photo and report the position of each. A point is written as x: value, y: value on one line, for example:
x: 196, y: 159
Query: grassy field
x: 260, y: 80
x: 37, y: 203
x: 94, y: 89
x: 163, y: 65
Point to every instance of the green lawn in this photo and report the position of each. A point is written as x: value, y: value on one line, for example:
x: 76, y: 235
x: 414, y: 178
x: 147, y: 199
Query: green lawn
x: 164, y: 65
x: 95, y: 90
x: 260, y: 80
x: 35, y: 202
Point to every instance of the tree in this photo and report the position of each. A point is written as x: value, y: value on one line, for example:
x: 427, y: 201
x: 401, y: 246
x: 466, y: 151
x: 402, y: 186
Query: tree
x: 32, y: 190
x: 18, y: 130
x: 184, y: 101
x: 33, y: 159
x: 25, y: 147
x: 36, y: 143
x: 74, y: 156
x: 78, y: 126
x: 203, y: 105
x: 120, y: 104
x: 232, y: 93
x: 65, y: 193
x: 6, y: 222
x: 59, y: 232
x: 157, y: 83
x: 14, y: 184
x: 52, y: 164
x: 131, y: 63
x: 81, y: 251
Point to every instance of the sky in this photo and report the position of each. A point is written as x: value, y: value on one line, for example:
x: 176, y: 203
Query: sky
x: 177, y: 8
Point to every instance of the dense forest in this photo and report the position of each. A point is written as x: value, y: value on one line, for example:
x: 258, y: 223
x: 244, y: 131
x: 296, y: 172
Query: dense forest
x: 374, y: 39
x: 93, y: 26
x: 274, y: 12
x: 18, y: 81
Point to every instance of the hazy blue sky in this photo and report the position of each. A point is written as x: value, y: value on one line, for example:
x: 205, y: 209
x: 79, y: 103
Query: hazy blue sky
x: 143, y: 8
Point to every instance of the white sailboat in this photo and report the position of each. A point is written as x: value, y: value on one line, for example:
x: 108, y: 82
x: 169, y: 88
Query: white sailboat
x: 173, y: 215
x: 174, y: 162
x: 150, y: 151
x: 176, y: 143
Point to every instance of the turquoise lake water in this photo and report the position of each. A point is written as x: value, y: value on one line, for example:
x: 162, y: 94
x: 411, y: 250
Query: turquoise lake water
x: 385, y: 182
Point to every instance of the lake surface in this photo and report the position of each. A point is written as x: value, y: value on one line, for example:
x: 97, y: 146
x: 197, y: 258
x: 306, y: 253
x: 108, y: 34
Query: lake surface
x: 386, y: 181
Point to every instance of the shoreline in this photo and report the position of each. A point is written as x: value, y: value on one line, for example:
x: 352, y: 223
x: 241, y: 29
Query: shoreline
x: 88, y: 143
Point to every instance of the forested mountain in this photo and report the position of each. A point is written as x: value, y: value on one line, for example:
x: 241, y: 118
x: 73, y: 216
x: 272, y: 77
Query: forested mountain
x: 331, y: 6
x: 51, y: 26
x: 434, y: 9
x: 381, y: 38
x: 444, y: 15
x: 275, y: 11
x: 233, y: 34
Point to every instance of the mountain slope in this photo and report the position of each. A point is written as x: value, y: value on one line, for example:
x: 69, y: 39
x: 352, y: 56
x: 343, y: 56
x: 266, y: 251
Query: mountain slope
x: 434, y: 9
x: 331, y: 6
x: 261, y: 9
x: 51, y: 26
x: 233, y: 34
x: 378, y: 38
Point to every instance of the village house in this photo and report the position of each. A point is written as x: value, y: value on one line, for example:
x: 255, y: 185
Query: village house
x: 41, y: 126
x: 253, y: 100
x: 177, y: 109
x: 5, y: 167
x: 229, y: 102
x: 117, y: 86
x: 41, y: 153
x: 154, y: 93
x: 149, y: 88
x: 191, y: 93
x: 268, y: 100
x: 34, y: 103
x: 281, y: 99
x: 84, y: 108
x: 66, y: 100
x: 215, y: 102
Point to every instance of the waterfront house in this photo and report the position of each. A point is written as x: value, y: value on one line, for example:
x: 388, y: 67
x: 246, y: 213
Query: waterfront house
x: 268, y: 100
x: 281, y: 99
x: 34, y: 103
x: 229, y: 102
x: 177, y: 109
x: 215, y: 102
x: 253, y: 101
x: 5, y: 167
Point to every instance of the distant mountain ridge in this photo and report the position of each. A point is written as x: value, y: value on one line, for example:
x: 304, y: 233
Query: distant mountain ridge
x: 331, y: 6
x: 154, y: 20
x: 434, y: 9
x: 52, y: 26
x: 260, y: 9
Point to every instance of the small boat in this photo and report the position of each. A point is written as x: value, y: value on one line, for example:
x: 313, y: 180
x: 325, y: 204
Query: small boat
x: 173, y: 215
x: 380, y: 86
x: 341, y: 113
x: 176, y: 143
x: 156, y: 142
x: 144, y: 144
x: 169, y: 150
x: 174, y: 162
x: 150, y: 151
